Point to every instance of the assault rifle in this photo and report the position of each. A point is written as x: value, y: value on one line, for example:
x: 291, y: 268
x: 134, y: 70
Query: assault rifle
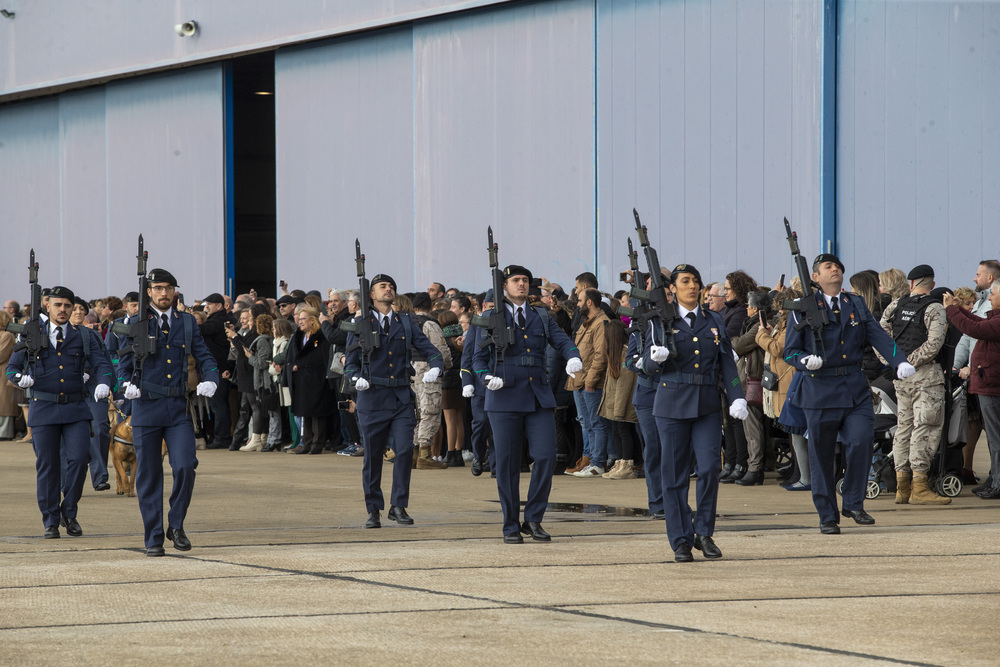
x: 498, y: 334
x: 32, y: 340
x: 368, y: 339
x: 813, y: 316
x: 143, y: 344
x: 636, y: 292
x: 659, y: 306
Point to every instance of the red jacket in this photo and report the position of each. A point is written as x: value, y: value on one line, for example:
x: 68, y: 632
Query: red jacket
x: 985, y: 363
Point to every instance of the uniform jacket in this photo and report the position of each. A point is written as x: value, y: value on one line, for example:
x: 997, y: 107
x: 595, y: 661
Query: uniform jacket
x: 840, y: 382
x: 109, y: 378
x: 167, y: 369
x: 523, y: 365
x: 984, y: 377
x: 924, y: 358
x: 388, y: 371
x: 705, y: 356
x: 590, y: 343
x: 647, y: 374
x: 61, y: 374
x: 469, y: 376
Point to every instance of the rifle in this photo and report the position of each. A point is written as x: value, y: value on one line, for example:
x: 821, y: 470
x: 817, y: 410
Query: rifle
x: 656, y: 296
x: 367, y: 338
x: 498, y: 334
x: 813, y: 316
x: 636, y: 292
x: 32, y: 340
x: 143, y: 343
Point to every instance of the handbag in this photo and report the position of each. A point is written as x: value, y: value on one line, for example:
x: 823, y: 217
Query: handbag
x: 336, y: 369
x: 755, y: 392
x: 769, y: 380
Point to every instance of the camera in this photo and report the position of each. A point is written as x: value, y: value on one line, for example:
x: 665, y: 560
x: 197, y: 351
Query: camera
x: 343, y: 405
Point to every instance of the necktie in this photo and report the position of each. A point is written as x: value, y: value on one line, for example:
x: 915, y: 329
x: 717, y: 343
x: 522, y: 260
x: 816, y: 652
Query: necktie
x: 59, y: 338
x: 520, y: 317
x: 164, y: 325
x: 835, y: 302
x: 690, y: 318
x: 385, y: 325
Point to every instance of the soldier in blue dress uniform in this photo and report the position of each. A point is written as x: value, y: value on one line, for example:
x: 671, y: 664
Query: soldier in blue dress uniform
x: 520, y: 404
x: 688, y: 413
x: 473, y: 388
x: 159, y: 410
x: 385, y: 406
x: 834, y: 394
x: 59, y: 417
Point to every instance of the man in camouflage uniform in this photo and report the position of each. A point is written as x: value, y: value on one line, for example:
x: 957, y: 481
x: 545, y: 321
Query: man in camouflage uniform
x: 918, y: 324
x: 428, y: 394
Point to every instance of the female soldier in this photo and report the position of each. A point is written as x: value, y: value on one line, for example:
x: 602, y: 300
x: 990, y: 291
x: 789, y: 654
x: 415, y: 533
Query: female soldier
x: 688, y: 416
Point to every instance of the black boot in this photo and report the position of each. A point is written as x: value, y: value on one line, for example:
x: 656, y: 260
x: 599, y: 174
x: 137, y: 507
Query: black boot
x: 752, y: 478
x: 727, y: 470
x: 738, y: 472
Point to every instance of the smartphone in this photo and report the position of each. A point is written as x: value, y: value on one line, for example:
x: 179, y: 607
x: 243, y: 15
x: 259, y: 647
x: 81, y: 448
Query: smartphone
x: 282, y: 284
x: 781, y: 281
x: 343, y: 405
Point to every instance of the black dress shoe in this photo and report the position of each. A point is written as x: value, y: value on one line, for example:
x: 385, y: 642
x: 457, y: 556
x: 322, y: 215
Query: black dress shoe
x: 658, y: 516
x: 682, y: 554
x: 235, y: 445
x: 534, y: 529
x: 829, y: 528
x: 103, y: 486
x: 51, y: 533
x: 72, y: 526
x: 155, y: 550
x: 706, y: 545
x: 373, y: 520
x: 477, y: 467
x: 751, y: 478
x: 180, y: 540
x: 399, y: 515
x: 726, y: 471
x: 860, y: 517
x: 737, y: 473
x: 989, y: 494
x: 513, y: 539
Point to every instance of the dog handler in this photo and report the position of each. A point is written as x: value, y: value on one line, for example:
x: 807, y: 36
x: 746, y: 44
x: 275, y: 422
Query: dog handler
x: 159, y: 410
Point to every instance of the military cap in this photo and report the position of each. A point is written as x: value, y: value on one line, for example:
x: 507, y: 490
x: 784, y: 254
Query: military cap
x: 922, y: 271
x: 827, y: 257
x: 162, y: 276
x: 421, y: 301
x: 46, y: 291
x: 489, y: 296
x: 131, y: 297
x: 686, y: 268
x: 62, y: 293
x: 77, y: 301
x: 383, y: 278
x: 215, y: 297
x: 516, y: 270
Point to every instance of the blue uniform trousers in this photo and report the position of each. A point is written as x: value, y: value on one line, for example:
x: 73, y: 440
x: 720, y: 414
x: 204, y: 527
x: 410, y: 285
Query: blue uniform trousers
x: 100, y: 443
x: 149, y: 475
x: 680, y: 439
x: 855, y: 427
x: 539, y: 427
x: 380, y: 428
x: 53, y: 442
x: 481, y: 431
x: 651, y: 456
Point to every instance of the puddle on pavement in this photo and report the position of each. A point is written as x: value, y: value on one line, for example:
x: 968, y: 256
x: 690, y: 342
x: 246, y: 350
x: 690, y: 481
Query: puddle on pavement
x: 607, y: 510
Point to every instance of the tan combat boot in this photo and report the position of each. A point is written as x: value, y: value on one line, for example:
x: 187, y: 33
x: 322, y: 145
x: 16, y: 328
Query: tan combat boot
x: 623, y: 471
x: 902, y: 488
x: 580, y: 465
x: 923, y: 495
x: 425, y: 462
x: 614, y: 469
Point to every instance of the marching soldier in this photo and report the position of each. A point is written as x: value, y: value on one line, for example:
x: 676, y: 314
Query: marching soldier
x: 473, y: 388
x: 59, y: 413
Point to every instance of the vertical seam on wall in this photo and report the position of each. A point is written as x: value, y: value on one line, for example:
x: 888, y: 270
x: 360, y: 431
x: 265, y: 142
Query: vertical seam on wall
x: 60, y: 138
x: 230, y: 186
x: 107, y: 195
x: 597, y: 199
x: 413, y: 144
x: 828, y: 140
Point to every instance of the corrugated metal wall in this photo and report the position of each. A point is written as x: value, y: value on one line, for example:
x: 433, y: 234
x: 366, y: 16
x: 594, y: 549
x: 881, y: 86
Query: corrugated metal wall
x: 84, y: 173
x: 918, y: 161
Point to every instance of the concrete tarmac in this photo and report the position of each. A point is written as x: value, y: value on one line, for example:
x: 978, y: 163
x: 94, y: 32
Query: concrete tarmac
x: 283, y: 572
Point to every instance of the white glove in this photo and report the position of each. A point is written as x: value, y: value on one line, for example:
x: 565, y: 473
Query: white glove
x: 905, y: 370
x: 25, y: 381
x: 361, y: 384
x: 659, y: 354
x: 468, y: 391
x: 206, y: 389
x: 738, y: 410
x: 132, y: 392
x: 574, y: 366
x: 86, y: 378
x: 101, y: 392
x: 432, y: 375
x: 812, y: 362
x: 493, y: 383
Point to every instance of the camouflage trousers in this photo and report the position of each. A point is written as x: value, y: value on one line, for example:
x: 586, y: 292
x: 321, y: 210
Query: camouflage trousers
x: 919, y: 420
x: 428, y: 400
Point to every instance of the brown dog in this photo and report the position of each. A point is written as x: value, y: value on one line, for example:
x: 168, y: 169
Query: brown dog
x: 123, y: 457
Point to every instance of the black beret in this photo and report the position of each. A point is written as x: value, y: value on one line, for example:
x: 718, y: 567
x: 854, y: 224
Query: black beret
x: 77, y: 301
x: 46, y: 291
x: 284, y: 299
x: 214, y: 297
x: 516, y: 270
x: 685, y: 268
x: 827, y: 257
x: 421, y: 301
x: 162, y: 276
x: 922, y: 271
x: 62, y: 293
x: 383, y: 278
x: 131, y: 297
x: 314, y: 293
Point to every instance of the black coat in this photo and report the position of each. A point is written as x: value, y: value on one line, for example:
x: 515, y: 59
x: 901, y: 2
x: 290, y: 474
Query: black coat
x: 311, y: 393
x: 243, y: 370
x: 214, y: 333
x: 734, y: 314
